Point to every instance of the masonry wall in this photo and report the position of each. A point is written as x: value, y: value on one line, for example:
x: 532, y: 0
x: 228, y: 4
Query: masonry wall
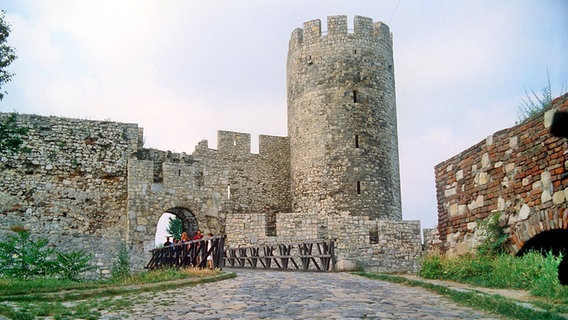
x: 68, y: 183
x: 90, y: 185
x: 342, y: 119
x: 519, y: 173
x: 397, y: 248
x: 206, y: 186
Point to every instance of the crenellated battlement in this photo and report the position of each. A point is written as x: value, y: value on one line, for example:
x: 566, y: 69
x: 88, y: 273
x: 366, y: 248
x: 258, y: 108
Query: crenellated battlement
x: 337, y: 27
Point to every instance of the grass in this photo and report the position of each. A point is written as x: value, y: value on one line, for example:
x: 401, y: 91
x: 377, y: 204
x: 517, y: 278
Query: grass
x: 532, y: 272
x: 492, y: 303
x: 65, y: 299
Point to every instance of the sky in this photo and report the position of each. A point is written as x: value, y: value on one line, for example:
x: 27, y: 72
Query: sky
x: 184, y: 69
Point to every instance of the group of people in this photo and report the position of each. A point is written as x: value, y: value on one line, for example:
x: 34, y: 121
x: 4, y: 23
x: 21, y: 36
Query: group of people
x: 197, y: 236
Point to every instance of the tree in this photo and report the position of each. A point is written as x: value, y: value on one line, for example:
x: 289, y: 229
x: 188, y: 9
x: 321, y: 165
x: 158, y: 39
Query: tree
x: 174, y: 228
x: 11, y: 134
x: 7, y: 53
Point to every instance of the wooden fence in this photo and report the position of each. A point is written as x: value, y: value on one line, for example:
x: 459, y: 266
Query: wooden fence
x: 192, y: 253
x: 315, y: 255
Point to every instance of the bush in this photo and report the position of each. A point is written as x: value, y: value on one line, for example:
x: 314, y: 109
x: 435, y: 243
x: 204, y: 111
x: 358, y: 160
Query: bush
x: 71, y: 265
x: 24, y: 258
x: 21, y: 257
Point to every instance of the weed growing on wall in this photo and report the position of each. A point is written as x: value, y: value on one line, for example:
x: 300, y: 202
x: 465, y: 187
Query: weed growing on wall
x: 495, y: 238
x: 534, y: 104
x: 121, y: 266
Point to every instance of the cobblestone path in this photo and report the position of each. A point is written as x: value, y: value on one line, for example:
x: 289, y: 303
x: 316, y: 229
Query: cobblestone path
x: 295, y: 295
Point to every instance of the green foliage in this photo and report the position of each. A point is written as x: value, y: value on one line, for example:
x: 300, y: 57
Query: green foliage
x: 23, y: 258
x: 495, y: 239
x: 39, y: 298
x: 71, y: 265
x: 10, y: 133
x: 7, y: 53
x: 175, y: 227
x: 462, y: 268
x: 493, y: 303
x: 534, y: 104
x: 533, y: 272
x: 121, y: 266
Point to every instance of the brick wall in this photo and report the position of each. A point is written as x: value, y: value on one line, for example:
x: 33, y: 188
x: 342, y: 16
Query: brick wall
x: 518, y: 172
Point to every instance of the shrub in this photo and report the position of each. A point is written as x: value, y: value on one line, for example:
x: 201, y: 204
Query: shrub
x: 23, y: 258
x: 71, y: 265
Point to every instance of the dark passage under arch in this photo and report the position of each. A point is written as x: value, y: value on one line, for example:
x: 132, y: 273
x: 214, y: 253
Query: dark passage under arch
x: 552, y: 241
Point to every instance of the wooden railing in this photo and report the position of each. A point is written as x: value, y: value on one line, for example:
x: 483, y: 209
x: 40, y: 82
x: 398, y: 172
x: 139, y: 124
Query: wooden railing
x: 189, y: 254
x: 314, y: 255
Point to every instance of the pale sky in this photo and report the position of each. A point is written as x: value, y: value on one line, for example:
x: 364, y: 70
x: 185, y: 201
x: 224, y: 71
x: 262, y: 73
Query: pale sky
x: 184, y: 69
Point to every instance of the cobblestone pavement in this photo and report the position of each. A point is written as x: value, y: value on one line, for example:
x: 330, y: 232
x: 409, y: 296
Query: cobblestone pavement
x: 295, y: 295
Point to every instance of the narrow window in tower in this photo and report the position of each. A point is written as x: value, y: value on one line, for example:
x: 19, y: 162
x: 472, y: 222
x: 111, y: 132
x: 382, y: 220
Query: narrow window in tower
x: 310, y: 60
x: 356, y: 141
x: 234, y: 142
x: 355, y: 96
x: 374, y: 235
x: 228, y: 192
x: 355, y: 51
x: 358, y: 187
x: 179, y: 172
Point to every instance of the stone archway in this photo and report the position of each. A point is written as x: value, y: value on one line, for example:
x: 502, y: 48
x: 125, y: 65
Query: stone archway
x: 189, y: 222
x: 537, y: 223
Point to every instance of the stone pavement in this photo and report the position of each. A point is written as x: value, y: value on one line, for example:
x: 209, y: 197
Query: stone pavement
x: 295, y: 295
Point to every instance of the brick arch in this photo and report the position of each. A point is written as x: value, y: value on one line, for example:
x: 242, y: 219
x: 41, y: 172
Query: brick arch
x: 545, y: 220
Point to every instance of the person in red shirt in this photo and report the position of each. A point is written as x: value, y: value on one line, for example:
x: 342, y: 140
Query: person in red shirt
x: 198, y: 235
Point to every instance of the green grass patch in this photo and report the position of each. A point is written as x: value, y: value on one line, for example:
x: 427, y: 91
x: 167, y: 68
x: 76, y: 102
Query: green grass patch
x: 491, y: 303
x: 46, y: 297
x: 533, y: 272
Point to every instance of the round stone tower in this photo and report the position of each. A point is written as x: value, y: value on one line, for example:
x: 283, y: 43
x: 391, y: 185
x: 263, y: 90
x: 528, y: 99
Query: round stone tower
x: 342, y: 119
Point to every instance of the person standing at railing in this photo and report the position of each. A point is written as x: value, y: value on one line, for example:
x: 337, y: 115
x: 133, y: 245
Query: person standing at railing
x: 198, y: 236
x: 210, y: 256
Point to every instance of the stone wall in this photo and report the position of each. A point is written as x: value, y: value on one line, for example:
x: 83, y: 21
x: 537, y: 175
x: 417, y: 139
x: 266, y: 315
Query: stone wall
x: 68, y: 184
x: 342, y: 119
x: 519, y: 173
x: 90, y: 185
x: 203, y: 188
x: 397, y: 248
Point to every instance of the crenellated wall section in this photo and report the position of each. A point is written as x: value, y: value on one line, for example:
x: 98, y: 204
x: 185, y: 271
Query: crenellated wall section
x: 90, y: 185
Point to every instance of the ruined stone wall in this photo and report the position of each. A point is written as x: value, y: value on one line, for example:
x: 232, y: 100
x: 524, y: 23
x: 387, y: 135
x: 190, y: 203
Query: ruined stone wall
x: 397, y: 248
x: 342, y: 119
x: 90, y: 185
x: 519, y: 173
x: 67, y: 183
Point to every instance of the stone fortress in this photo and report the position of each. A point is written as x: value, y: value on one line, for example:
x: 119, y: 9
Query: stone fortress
x: 91, y: 185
